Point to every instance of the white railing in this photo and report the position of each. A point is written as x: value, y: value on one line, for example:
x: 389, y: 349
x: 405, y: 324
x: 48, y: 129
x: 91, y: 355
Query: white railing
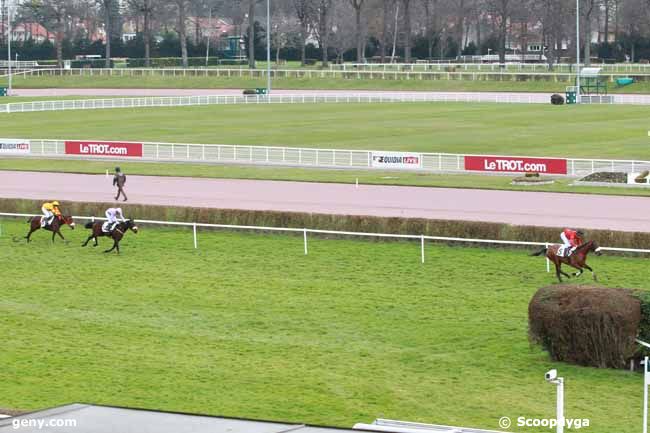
x: 492, y: 66
x: 311, y: 157
x: 467, y: 72
x: 305, y: 232
x: 181, y: 101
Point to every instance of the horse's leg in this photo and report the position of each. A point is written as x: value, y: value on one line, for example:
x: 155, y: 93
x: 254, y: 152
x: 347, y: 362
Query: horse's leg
x: 114, y: 246
x: 53, y: 234
x: 29, y: 235
x: 87, y: 240
x: 558, y: 271
x: 592, y: 271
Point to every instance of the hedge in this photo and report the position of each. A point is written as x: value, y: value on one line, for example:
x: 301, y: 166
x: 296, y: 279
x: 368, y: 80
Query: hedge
x: 413, y: 226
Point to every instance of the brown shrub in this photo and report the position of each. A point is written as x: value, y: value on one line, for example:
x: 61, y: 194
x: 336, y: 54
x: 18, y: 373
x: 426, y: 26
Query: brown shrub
x: 584, y: 325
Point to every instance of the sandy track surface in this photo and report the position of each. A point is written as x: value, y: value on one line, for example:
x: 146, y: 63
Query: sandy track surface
x: 522, y: 208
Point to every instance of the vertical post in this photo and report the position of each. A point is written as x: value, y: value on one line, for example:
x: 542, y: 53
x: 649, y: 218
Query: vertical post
x: 9, y: 92
x: 268, y: 50
x: 304, y: 236
x: 422, y: 248
x: 207, y: 44
x: 578, y: 50
x: 560, y: 405
x: 548, y: 262
x: 194, y: 232
x: 645, y: 395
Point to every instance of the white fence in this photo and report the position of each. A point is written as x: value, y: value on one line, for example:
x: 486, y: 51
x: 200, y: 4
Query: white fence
x: 183, y: 101
x: 305, y: 232
x: 308, y: 157
x: 366, y: 72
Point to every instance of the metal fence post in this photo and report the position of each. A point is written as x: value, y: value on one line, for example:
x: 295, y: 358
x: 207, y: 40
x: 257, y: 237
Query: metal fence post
x: 304, y: 235
x: 422, y: 247
x: 194, y: 232
x: 548, y: 262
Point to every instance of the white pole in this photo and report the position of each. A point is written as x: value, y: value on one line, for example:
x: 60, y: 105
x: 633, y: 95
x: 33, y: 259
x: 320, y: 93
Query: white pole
x: 645, y: 395
x: 422, y: 247
x: 195, y: 240
x: 268, y: 48
x: 207, y: 49
x: 578, y: 51
x: 560, y: 405
x: 304, y: 236
x: 548, y: 262
x: 9, y: 91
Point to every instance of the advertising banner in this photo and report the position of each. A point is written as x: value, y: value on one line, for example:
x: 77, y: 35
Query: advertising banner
x: 508, y: 164
x: 14, y: 147
x: 103, y: 148
x: 396, y: 160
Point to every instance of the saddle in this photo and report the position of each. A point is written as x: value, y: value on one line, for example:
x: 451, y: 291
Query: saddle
x: 106, y: 227
x: 564, y: 251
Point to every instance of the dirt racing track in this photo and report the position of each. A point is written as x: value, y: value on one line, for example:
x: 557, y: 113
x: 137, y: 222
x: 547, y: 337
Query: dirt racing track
x: 512, y: 207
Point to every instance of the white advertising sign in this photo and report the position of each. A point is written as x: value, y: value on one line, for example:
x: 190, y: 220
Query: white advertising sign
x: 396, y: 160
x: 12, y: 146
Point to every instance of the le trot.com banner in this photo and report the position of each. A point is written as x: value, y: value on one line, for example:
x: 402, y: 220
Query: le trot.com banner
x: 507, y: 164
x: 103, y: 148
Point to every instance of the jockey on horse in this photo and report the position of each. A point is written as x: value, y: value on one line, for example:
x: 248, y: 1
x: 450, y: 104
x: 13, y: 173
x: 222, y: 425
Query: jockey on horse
x: 112, y: 214
x: 571, y: 239
x: 50, y: 210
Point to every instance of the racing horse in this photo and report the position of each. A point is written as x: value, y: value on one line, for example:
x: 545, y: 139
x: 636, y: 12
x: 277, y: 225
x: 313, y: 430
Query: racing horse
x: 54, y: 227
x: 117, y: 234
x: 576, y: 260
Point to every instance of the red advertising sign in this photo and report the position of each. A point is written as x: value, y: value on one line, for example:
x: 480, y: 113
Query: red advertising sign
x: 103, y: 148
x: 511, y: 164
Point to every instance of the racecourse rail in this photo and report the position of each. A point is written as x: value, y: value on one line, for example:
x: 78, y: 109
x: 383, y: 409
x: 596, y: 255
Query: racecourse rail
x: 309, y: 157
x: 465, y: 72
x: 311, y: 98
x: 305, y: 231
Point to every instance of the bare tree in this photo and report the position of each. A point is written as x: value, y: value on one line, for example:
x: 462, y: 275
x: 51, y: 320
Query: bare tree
x: 500, y: 10
x: 181, y: 7
x: 51, y: 14
x: 144, y: 8
x: 323, y: 27
x: 358, y: 5
x: 407, y: 30
x: 304, y: 10
x: 587, y: 10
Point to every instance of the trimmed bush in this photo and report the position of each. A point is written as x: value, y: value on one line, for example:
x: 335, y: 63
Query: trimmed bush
x: 250, y: 92
x: 642, y: 177
x: 591, y: 326
x: 557, y: 99
x: 171, y: 62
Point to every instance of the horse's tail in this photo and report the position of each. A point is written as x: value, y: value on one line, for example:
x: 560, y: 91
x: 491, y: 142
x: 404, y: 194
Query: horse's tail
x: 89, y: 225
x: 540, y: 252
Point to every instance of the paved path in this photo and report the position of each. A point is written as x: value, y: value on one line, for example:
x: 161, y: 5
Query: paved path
x: 524, y: 208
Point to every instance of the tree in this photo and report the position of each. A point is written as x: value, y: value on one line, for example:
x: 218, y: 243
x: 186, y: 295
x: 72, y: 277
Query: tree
x: 323, y: 27
x: 305, y: 11
x: 407, y: 30
x: 358, y: 5
x: 587, y: 10
x: 181, y: 7
x: 500, y: 11
x: 146, y: 9
x: 109, y: 8
x: 51, y: 14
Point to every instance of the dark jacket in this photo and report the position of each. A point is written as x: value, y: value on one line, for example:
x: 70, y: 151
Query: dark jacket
x: 119, y: 179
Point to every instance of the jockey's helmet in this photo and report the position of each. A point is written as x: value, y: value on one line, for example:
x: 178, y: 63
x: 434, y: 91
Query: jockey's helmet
x: 55, y: 203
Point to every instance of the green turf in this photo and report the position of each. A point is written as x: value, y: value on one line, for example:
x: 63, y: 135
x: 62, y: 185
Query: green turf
x: 364, y: 177
x: 248, y: 326
x: 303, y: 83
x: 506, y: 129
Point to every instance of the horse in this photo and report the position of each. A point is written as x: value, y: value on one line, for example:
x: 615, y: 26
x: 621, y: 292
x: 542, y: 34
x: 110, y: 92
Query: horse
x: 576, y: 260
x: 117, y: 234
x: 54, y: 227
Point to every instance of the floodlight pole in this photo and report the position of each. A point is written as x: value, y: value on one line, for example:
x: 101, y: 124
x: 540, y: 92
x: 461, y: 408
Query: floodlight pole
x: 268, y: 48
x: 578, y: 51
x: 9, y: 90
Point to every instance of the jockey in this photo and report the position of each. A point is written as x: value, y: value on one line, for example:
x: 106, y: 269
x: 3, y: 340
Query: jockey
x: 571, y: 240
x: 50, y: 210
x: 112, y: 217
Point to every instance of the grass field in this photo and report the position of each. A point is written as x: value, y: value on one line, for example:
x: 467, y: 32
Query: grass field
x: 364, y: 177
x: 302, y: 83
x: 535, y: 130
x: 248, y: 326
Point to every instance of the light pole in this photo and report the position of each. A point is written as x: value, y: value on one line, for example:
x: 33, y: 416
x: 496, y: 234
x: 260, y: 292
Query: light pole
x: 578, y: 51
x: 268, y: 47
x: 207, y: 48
x: 9, y: 36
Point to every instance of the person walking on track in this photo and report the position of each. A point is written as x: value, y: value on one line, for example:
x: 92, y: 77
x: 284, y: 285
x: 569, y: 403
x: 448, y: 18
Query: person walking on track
x: 119, y: 180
